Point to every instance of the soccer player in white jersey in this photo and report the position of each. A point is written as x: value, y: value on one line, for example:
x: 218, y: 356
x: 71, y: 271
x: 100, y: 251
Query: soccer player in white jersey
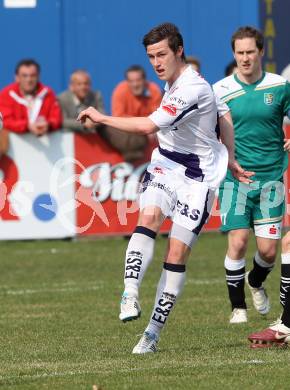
x: 258, y: 101
x: 181, y: 179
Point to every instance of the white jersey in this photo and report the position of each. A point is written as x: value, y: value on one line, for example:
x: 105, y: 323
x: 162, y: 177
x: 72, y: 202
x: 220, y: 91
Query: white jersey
x: 187, y: 119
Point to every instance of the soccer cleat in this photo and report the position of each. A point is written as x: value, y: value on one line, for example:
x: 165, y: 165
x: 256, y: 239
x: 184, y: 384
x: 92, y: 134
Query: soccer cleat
x: 238, y: 316
x: 130, y: 308
x: 277, y: 335
x: 147, y: 344
x: 260, y: 298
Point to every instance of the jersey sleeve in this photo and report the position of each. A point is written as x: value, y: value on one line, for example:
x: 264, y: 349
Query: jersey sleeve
x: 222, y: 108
x: 177, y: 107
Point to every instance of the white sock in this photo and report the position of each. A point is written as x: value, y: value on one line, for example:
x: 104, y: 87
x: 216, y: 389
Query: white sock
x: 169, y: 288
x: 263, y: 263
x: 285, y: 258
x: 139, y: 255
x: 234, y: 265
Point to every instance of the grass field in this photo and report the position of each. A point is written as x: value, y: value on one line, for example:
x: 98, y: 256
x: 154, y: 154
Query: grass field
x: 60, y: 328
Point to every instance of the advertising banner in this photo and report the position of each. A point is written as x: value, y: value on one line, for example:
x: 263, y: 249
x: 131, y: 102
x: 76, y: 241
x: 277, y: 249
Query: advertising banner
x: 66, y: 185
x: 107, y: 189
x: 37, y: 187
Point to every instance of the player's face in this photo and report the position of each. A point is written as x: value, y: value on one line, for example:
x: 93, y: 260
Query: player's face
x: 248, y: 57
x: 165, y: 62
x: 80, y: 85
x: 27, y: 78
x: 136, y: 82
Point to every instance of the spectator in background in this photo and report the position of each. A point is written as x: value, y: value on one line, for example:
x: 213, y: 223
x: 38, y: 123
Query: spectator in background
x: 4, y: 140
x: 135, y: 96
x: 78, y: 97
x: 27, y: 105
x: 194, y: 62
x: 231, y: 68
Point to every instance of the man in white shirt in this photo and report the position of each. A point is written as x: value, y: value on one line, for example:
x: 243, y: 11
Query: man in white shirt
x: 181, y: 180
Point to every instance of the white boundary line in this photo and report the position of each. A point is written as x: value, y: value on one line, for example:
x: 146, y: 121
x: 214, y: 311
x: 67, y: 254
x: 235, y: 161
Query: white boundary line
x: 6, y: 290
x: 95, y: 370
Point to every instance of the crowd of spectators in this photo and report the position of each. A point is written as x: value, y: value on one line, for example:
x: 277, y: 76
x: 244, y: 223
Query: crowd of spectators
x: 29, y: 106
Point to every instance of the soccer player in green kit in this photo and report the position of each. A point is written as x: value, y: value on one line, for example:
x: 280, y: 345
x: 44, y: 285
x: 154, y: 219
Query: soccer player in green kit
x: 258, y: 102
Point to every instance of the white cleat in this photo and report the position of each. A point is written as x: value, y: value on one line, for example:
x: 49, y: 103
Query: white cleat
x: 260, y: 298
x: 239, y: 316
x: 147, y: 344
x: 275, y: 325
x: 130, y: 308
x: 282, y: 333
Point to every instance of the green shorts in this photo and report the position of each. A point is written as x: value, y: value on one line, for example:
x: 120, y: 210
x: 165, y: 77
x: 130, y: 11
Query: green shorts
x: 244, y: 205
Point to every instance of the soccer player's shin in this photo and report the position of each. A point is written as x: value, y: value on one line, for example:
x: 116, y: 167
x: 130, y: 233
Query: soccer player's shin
x: 285, y: 318
x: 169, y: 288
x: 259, y: 272
x: 285, y: 278
x: 139, y: 255
x: 255, y: 279
x: 235, y: 277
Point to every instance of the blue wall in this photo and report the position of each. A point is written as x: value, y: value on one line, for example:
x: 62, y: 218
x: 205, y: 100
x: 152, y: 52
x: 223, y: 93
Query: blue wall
x: 105, y: 37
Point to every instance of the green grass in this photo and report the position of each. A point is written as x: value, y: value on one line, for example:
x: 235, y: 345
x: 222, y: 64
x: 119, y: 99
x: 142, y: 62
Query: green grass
x: 59, y: 326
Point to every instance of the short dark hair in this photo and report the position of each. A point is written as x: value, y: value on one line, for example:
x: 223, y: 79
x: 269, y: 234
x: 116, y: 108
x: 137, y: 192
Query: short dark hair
x: 27, y: 62
x: 248, y: 32
x: 135, y: 68
x: 165, y: 31
x: 229, y: 69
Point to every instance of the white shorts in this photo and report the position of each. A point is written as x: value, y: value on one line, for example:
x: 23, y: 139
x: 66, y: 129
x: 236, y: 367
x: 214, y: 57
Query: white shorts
x: 272, y: 230
x: 186, y: 201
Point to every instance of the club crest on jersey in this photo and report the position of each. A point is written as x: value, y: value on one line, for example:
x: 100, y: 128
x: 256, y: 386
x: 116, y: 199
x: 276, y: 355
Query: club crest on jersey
x: 170, y: 109
x: 268, y: 98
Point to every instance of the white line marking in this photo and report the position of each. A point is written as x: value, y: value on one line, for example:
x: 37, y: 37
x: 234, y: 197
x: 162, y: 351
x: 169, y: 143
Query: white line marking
x: 205, y: 281
x: 41, y: 251
x: 49, y: 290
x: 101, y: 370
x: 71, y: 287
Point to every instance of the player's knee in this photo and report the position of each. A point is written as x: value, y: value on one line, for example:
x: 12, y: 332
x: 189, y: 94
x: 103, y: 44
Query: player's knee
x: 151, y: 219
x: 174, y: 254
x: 238, y: 244
x: 268, y: 252
x: 177, y: 254
x: 286, y: 243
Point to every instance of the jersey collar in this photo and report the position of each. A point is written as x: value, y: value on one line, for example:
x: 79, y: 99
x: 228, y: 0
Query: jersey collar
x: 244, y: 85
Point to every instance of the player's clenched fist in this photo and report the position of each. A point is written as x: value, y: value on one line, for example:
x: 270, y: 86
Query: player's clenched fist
x: 92, y: 114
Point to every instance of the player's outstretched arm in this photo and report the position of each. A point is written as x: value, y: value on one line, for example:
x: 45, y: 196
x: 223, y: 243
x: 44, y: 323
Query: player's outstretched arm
x: 140, y: 125
x: 227, y: 138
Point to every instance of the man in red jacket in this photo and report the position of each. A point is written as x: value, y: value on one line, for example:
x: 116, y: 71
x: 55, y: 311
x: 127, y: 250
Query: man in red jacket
x: 27, y: 105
